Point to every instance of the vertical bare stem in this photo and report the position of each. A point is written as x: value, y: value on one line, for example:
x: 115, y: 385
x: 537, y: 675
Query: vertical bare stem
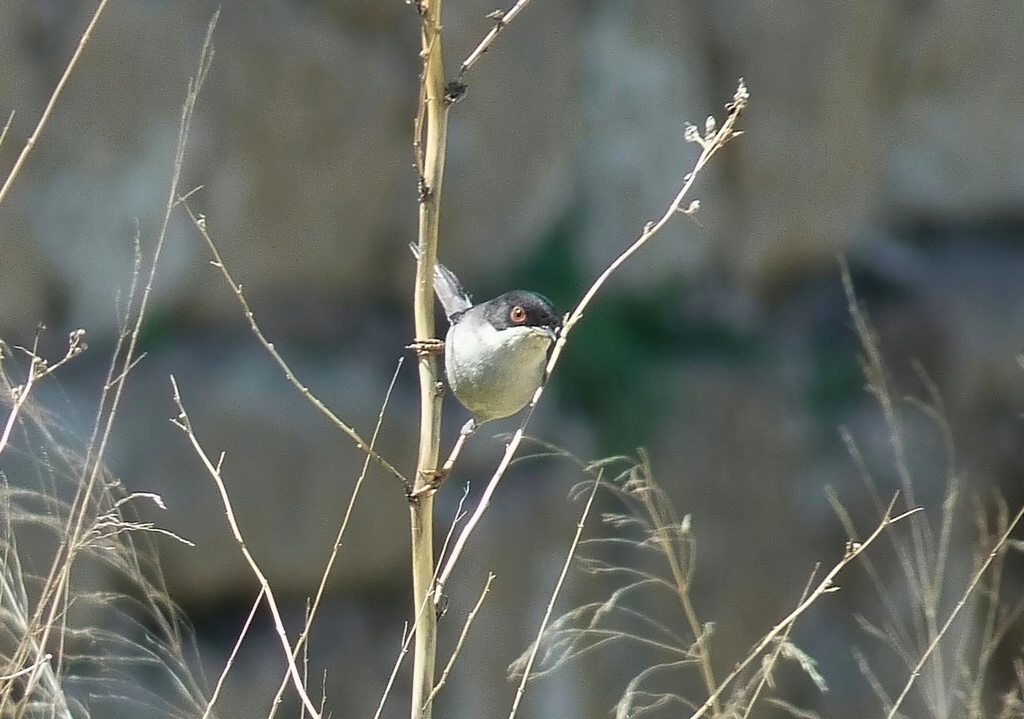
x: 431, y: 133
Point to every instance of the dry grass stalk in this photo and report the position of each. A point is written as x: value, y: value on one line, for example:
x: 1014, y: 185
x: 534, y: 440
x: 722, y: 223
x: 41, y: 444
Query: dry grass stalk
x: 614, y: 620
x: 52, y: 625
x: 952, y: 666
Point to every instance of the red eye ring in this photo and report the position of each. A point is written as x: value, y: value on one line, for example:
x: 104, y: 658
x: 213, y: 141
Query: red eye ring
x: 517, y: 315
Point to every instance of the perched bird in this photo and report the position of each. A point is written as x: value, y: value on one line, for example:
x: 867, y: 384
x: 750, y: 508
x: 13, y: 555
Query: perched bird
x: 495, y: 352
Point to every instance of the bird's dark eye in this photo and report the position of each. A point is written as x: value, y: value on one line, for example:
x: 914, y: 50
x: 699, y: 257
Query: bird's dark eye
x: 517, y: 315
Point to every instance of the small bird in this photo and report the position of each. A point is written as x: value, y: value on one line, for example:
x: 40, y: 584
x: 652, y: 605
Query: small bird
x: 495, y: 352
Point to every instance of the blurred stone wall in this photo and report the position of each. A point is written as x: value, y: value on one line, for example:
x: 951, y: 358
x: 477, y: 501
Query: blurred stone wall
x: 892, y: 133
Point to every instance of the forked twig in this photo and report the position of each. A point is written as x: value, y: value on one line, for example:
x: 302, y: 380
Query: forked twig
x: 710, y: 143
x: 501, y: 21
x: 765, y: 678
x: 183, y: 423
x: 38, y: 369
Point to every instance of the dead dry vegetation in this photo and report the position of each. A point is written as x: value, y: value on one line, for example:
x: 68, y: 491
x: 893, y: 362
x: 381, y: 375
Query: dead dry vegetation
x: 84, y: 613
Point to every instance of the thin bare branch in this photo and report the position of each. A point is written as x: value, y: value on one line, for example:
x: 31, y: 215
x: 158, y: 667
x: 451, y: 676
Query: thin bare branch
x: 34, y: 138
x: 420, y: 611
x: 200, y: 223
x: 7, y: 128
x: 710, y: 144
x: 462, y: 637
x: 554, y: 597
x: 182, y: 422
x: 234, y: 653
x: 407, y: 635
x: 501, y: 21
x: 337, y: 542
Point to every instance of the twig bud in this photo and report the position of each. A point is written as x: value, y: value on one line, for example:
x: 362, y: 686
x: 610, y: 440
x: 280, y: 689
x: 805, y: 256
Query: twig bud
x: 739, y: 98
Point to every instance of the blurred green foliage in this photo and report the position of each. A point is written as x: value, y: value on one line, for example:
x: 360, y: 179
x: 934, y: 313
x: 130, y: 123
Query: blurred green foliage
x: 616, y: 363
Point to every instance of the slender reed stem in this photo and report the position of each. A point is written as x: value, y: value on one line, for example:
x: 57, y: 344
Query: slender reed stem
x: 431, y: 132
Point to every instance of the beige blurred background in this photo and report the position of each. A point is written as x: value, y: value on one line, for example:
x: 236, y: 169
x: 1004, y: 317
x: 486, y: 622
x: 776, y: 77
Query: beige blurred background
x: 888, y: 132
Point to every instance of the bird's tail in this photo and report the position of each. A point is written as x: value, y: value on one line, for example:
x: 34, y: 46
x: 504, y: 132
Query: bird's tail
x: 449, y: 290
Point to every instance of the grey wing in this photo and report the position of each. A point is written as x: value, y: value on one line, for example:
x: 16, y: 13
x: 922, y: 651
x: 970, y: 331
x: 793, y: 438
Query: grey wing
x: 447, y: 287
